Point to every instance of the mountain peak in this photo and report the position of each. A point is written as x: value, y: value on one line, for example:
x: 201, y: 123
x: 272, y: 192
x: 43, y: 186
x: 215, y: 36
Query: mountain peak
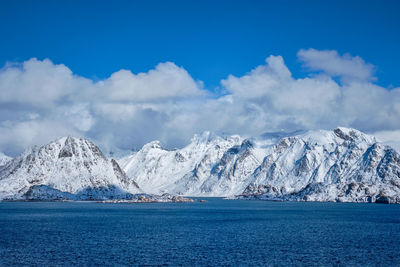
x: 69, y: 164
x: 153, y: 145
x: 346, y: 133
x: 79, y: 147
x: 353, y: 134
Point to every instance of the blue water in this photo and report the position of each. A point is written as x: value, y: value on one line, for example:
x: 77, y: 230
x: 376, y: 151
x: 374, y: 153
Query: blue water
x: 219, y: 232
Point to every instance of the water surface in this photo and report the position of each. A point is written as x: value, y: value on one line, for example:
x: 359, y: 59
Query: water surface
x: 219, y: 232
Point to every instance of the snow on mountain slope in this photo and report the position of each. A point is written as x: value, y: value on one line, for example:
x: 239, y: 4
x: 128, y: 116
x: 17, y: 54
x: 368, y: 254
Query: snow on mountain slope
x: 66, y: 166
x: 339, y: 165
x: 158, y: 170
x: 4, y: 159
x: 342, y: 165
x: 230, y: 175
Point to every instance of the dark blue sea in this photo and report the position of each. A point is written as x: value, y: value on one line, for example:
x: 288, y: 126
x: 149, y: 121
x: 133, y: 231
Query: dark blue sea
x: 216, y: 233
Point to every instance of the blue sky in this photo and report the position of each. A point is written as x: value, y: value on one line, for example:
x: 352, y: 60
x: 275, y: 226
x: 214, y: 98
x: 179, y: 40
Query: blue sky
x: 210, y: 39
x: 124, y: 73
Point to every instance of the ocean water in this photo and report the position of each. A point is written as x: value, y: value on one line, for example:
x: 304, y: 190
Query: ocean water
x: 216, y: 233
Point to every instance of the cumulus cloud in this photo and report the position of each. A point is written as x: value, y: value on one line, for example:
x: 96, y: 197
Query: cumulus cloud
x: 165, y: 81
x: 318, y: 101
x: 38, y: 83
x: 41, y: 101
x: 260, y: 81
x: 329, y: 61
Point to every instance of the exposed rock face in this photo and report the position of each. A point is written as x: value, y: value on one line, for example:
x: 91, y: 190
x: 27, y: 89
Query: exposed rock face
x: 64, y: 167
x: 339, y: 165
x: 44, y: 192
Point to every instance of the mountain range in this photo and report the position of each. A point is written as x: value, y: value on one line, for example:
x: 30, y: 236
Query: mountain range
x: 343, y: 165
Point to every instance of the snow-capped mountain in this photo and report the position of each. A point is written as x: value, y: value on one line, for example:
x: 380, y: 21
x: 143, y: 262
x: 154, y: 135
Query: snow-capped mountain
x: 339, y: 165
x: 342, y: 165
x: 67, y: 168
x: 180, y: 171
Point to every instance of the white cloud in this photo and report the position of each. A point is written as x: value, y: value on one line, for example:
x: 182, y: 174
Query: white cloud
x: 165, y: 81
x: 329, y: 61
x: 41, y: 101
x: 271, y: 92
x: 78, y: 116
x: 38, y: 83
x: 260, y: 81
